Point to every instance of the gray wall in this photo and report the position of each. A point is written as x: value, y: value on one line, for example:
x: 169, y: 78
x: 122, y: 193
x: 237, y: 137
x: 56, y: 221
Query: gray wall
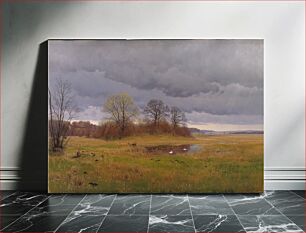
x: 24, y: 70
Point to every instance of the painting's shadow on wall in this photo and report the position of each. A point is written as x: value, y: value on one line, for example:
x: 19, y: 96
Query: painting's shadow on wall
x: 34, y: 154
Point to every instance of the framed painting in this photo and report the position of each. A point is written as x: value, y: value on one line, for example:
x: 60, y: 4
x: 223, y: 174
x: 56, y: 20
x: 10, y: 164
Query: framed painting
x: 155, y: 116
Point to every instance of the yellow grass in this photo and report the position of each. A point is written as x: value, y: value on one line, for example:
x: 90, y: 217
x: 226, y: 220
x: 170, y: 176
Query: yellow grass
x: 225, y: 163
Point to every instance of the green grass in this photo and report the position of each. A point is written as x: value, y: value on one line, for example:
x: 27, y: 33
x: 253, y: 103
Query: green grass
x: 225, y: 163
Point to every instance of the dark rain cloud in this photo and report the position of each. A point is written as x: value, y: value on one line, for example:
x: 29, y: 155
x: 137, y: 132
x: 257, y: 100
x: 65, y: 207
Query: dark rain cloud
x: 219, y: 77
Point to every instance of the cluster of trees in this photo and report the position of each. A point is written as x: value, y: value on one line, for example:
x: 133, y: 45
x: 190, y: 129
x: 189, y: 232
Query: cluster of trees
x: 109, y: 130
x: 123, y: 118
x: 158, y: 116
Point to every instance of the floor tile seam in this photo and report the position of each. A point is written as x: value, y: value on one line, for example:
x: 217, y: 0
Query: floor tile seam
x: 191, y: 214
x: 149, y: 213
x: 297, y: 194
x: 69, y: 214
x: 25, y: 213
x: 283, y: 214
x: 8, y: 196
x: 234, y: 213
x: 107, y: 212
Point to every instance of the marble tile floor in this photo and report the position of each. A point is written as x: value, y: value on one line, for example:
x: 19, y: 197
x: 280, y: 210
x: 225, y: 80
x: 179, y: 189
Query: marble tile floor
x: 272, y: 211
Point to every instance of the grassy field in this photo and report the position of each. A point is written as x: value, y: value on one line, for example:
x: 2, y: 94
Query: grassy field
x: 224, y: 163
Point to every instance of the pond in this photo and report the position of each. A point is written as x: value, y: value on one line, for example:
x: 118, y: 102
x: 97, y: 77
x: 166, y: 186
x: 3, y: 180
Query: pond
x: 174, y: 149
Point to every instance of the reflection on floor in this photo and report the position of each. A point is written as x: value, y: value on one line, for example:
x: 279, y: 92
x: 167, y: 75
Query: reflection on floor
x: 272, y: 211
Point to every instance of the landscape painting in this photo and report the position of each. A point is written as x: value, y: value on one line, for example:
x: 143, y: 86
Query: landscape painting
x: 155, y: 116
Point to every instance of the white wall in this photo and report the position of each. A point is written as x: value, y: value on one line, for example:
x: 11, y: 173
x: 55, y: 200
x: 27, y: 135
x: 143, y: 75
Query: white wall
x: 280, y: 24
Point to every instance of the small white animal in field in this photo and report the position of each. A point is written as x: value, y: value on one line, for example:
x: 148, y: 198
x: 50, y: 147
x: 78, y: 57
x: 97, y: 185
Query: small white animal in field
x: 170, y: 152
x: 184, y: 149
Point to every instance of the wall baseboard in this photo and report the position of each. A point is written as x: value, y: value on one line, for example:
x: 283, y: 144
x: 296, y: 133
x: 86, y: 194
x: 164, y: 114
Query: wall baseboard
x: 284, y: 178
x: 276, y: 178
x: 284, y: 184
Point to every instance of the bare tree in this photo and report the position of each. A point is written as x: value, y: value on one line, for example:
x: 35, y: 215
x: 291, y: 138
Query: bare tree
x: 177, y: 117
x: 156, y: 111
x: 61, y: 112
x: 122, y: 110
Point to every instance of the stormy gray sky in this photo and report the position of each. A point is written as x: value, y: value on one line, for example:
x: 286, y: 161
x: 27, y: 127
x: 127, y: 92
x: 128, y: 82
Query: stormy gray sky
x: 218, y: 83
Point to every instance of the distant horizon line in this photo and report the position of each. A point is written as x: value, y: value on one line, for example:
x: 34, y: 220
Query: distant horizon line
x: 207, y: 127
